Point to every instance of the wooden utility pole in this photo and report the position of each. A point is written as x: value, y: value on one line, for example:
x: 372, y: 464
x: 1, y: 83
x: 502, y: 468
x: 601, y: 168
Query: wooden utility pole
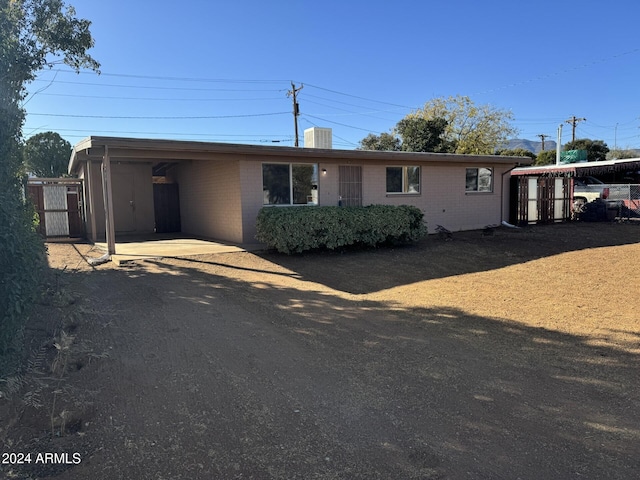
x: 573, y: 121
x: 542, y: 137
x: 296, y: 109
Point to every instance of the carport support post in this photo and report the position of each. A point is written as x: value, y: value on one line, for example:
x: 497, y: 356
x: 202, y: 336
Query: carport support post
x: 92, y: 202
x: 108, y: 202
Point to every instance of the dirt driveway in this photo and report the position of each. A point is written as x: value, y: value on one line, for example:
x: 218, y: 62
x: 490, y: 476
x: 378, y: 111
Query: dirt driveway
x: 511, y: 356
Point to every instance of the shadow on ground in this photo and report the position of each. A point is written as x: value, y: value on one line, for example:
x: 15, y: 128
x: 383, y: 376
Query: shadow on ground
x: 211, y: 376
x: 434, y: 257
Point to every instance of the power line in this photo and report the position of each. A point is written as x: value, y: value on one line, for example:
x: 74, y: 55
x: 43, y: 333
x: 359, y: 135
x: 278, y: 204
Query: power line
x: 336, y: 123
x: 557, y: 73
x: 347, y: 142
x: 125, y: 117
x: 222, y: 80
x: 174, y: 79
x: 305, y: 95
x: 189, y: 134
x: 109, y: 97
x: 147, y: 87
x: 356, y: 96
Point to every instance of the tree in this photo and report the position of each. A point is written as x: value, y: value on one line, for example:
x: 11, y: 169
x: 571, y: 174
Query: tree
x: 382, y: 142
x: 33, y: 34
x: 412, y: 134
x: 596, y: 149
x: 47, y: 155
x: 517, y: 152
x: 546, y: 157
x: 622, y: 153
x: 421, y: 135
x: 470, y: 128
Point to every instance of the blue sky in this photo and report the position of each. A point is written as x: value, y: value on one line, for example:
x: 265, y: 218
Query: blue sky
x: 220, y: 70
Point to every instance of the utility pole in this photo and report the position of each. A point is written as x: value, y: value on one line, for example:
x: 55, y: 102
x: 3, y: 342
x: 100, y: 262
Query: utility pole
x: 542, y: 137
x: 558, y: 144
x: 573, y: 121
x: 296, y: 109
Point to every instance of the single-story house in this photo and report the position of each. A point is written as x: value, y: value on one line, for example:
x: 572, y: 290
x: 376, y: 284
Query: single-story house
x: 215, y: 190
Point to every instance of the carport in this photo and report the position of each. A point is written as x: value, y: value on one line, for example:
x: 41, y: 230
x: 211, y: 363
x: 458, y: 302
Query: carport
x: 163, y: 245
x: 132, y: 203
x: 544, y: 194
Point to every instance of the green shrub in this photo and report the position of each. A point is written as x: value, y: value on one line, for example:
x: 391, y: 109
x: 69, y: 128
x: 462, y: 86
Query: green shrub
x: 22, y: 263
x: 296, y: 229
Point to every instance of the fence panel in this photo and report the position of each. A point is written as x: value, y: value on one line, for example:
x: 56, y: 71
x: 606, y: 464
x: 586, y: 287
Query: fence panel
x: 628, y: 198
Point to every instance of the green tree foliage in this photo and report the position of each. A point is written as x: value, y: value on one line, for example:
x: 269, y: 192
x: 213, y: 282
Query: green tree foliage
x: 412, y: 134
x: 422, y: 135
x: 622, y: 153
x: 34, y: 34
x: 470, y: 128
x: 547, y: 157
x: 46, y: 155
x: 517, y: 152
x: 383, y: 142
x: 596, y: 149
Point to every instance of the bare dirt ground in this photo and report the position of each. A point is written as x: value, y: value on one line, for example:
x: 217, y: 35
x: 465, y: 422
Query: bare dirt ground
x: 510, y: 356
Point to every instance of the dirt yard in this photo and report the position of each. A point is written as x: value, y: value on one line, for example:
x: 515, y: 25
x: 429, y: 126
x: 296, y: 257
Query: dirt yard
x: 507, y: 356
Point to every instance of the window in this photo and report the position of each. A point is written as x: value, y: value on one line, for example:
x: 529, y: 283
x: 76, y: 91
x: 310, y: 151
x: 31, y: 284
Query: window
x: 479, y: 180
x: 403, y: 179
x: 289, y: 184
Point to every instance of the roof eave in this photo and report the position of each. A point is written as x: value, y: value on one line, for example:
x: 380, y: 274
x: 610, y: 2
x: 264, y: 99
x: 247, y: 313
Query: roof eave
x: 188, y: 149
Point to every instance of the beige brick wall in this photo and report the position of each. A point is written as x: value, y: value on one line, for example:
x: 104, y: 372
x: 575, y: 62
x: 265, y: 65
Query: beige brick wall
x: 251, y: 183
x: 442, y: 197
x: 221, y: 197
x: 252, y: 196
x: 210, y: 203
x: 93, y: 201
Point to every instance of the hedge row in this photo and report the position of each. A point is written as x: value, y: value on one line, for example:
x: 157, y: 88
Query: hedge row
x: 306, y: 228
x: 22, y: 261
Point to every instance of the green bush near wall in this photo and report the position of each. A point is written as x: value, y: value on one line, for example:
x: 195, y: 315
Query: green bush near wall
x: 22, y: 263
x: 297, y: 229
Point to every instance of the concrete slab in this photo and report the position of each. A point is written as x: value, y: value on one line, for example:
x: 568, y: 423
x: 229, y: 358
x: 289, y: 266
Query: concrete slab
x: 140, y: 249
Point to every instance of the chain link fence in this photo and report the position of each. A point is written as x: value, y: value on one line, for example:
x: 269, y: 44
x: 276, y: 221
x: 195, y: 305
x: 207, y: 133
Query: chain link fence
x: 627, y: 198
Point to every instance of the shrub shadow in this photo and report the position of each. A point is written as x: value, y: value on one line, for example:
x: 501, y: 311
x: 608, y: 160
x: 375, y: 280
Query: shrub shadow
x: 371, y: 270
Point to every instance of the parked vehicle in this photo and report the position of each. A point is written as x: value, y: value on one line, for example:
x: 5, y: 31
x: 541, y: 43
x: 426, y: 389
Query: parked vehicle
x: 588, y: 189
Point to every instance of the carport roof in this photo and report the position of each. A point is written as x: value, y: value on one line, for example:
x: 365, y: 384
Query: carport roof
x: 580, y: 169
x: 155, y: 149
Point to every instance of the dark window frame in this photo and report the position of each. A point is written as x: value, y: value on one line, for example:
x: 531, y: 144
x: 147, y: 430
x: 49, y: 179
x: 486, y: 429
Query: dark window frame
x: 402, y: 185
x: 279, y: 190
x: 474, y: 183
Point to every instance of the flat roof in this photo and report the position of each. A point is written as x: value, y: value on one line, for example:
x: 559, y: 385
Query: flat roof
x: 143, y: 148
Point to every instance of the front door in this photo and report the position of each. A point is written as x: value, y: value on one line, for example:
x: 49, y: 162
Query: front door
x: 124, y: 204
x: 350, y: 185
x: 166, y: 205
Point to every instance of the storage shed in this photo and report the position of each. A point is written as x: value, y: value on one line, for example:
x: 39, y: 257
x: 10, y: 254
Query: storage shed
x: 543, y: 194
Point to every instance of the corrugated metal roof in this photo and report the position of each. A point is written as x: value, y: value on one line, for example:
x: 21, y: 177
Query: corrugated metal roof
x: 580, y: 169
